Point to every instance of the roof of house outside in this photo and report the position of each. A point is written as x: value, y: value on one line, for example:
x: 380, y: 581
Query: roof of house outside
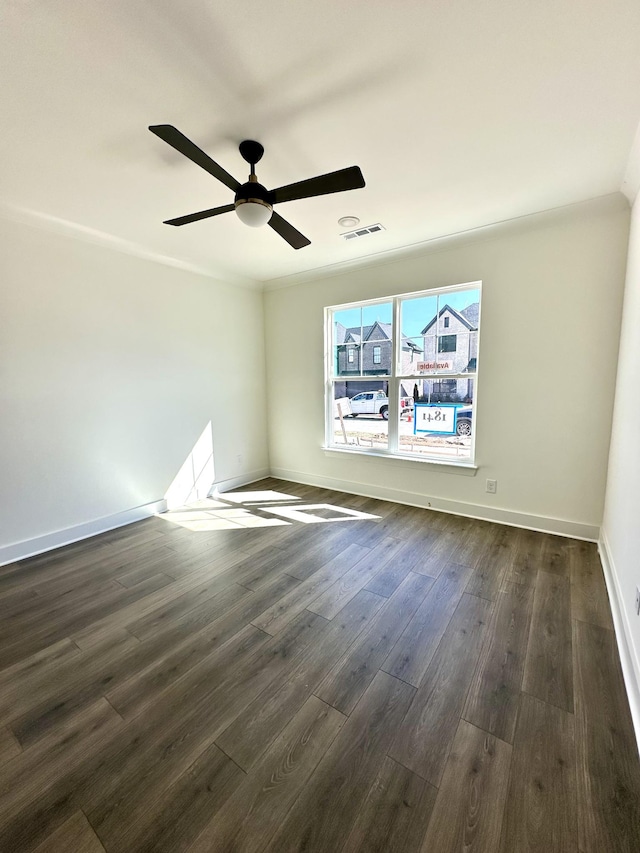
x: 468, y: 316
x: 359, y: 334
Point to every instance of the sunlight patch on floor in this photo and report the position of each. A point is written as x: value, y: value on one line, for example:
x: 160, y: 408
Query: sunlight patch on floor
x: 231, y: 518
x: 266, y: 496
x: 306, y: 514
x: 237, y: 510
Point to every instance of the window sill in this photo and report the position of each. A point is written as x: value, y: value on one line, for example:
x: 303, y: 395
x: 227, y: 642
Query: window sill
x: 465, y: 469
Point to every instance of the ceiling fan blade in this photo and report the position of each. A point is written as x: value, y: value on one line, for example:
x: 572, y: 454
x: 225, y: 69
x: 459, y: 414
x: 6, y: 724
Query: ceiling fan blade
x: 333, y: 182
x: 288, y: 232
x: 172, y: 136
x: 203, y: 214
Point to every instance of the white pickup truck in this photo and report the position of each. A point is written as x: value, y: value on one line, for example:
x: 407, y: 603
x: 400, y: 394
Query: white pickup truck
x: 375, y: 403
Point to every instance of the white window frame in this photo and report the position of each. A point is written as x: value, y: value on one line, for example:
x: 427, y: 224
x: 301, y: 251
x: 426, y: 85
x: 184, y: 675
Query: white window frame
x: 395, y: 377
x: 377, y: 354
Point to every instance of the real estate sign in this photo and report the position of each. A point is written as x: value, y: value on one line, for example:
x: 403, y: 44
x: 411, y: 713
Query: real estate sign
x: 440, y: 418
x: 424, y: 366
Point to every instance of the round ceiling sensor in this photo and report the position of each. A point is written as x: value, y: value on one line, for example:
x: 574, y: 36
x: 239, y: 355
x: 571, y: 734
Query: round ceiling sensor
x: 348, y: 221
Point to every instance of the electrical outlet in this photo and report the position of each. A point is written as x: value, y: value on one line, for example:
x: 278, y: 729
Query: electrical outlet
x: 492, y: 486
x: 638, y: 601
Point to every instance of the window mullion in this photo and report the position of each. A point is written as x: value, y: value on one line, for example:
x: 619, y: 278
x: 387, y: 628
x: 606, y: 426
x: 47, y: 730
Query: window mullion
x: 393, y: 392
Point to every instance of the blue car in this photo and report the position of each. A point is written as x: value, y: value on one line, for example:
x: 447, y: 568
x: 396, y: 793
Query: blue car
x: 464, y: 421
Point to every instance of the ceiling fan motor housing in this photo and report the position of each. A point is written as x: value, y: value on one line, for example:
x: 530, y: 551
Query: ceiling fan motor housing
x: 253, y: 193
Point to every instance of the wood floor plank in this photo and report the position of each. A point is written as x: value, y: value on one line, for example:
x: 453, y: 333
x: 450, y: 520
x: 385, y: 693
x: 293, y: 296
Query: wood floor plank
x: 388, y: 525
x: 411, y: 655
x: 174, y: 819
x: 250, y: 818
x: 476, y: 541
x: 389, y: 579
x: 608, y: 769
x: 493, y: 563
x: 540, y: 811
x: 412, y: 553
x: 469, y: 807
x: 46, y: 611
x: 147, y: 684
x: 258, y: 725
x: 492, y: 703
x: 150, y: 624
x: 9, y: 746
x: 527, y: 559
x: 39, y: 662
x: 157, y: 748
x: 75, y: 834
x: 556, y: 555
x: 130, y: 612
x: 25, y: 644
x: 332, y: 600
x: 326, y: 809
x: 548, y: 671
x: 26, y: 815
x: 589, y: 599
x: 395, y: 814
x: 102, y: 634
x: 352, y: 673
x: 46, y: 689
x: 278, y: 615
x: 424, y: 737
x: 324, y: 548
x: 439, y: 554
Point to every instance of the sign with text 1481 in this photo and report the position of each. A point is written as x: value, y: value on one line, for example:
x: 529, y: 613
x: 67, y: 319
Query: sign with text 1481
x: 439, y: 418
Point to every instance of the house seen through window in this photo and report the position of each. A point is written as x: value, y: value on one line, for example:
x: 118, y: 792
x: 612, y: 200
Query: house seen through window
x: 408, y: 394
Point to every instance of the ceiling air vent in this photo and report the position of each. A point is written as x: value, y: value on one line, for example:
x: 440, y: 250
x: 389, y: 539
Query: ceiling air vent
x: 363, y: 232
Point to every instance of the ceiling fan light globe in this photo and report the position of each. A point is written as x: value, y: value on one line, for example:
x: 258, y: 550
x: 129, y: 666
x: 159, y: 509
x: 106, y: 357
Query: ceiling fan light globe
x: 254, y: 212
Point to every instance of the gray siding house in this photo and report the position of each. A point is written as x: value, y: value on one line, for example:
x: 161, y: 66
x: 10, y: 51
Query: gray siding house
x: 371, y: 348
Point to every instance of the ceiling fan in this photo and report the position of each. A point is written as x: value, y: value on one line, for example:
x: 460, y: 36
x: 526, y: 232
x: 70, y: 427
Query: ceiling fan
x: 253, y: 202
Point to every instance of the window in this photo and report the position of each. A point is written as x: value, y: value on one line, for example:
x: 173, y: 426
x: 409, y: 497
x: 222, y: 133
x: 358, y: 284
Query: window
x: 409, y: 390
x: 447, y: 343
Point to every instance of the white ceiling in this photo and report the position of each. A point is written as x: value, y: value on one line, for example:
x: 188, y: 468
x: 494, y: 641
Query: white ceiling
x: 459, y: 113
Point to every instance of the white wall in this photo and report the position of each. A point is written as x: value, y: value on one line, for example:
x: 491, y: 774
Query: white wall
x: 621, y: 525
x: 111, y: 366
x: 552, y: 294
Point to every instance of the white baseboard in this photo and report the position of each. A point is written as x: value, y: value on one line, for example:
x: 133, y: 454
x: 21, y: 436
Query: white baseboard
x: 235, y: 482
x: 59, y: 538
x: 49, y: 541
x: 628, y: 653
x: 559, y: 526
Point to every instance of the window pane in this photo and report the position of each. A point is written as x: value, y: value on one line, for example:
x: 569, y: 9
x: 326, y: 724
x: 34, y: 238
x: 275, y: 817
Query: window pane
x: 355, y: 333
x: 360, y: 413
x: 437, y: 425
x: 415, y: 313
x: 447, y: 343
x: 449, y: 335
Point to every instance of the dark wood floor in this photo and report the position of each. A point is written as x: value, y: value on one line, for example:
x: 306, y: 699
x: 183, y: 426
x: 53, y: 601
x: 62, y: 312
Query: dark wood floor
x: 416, y: 681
